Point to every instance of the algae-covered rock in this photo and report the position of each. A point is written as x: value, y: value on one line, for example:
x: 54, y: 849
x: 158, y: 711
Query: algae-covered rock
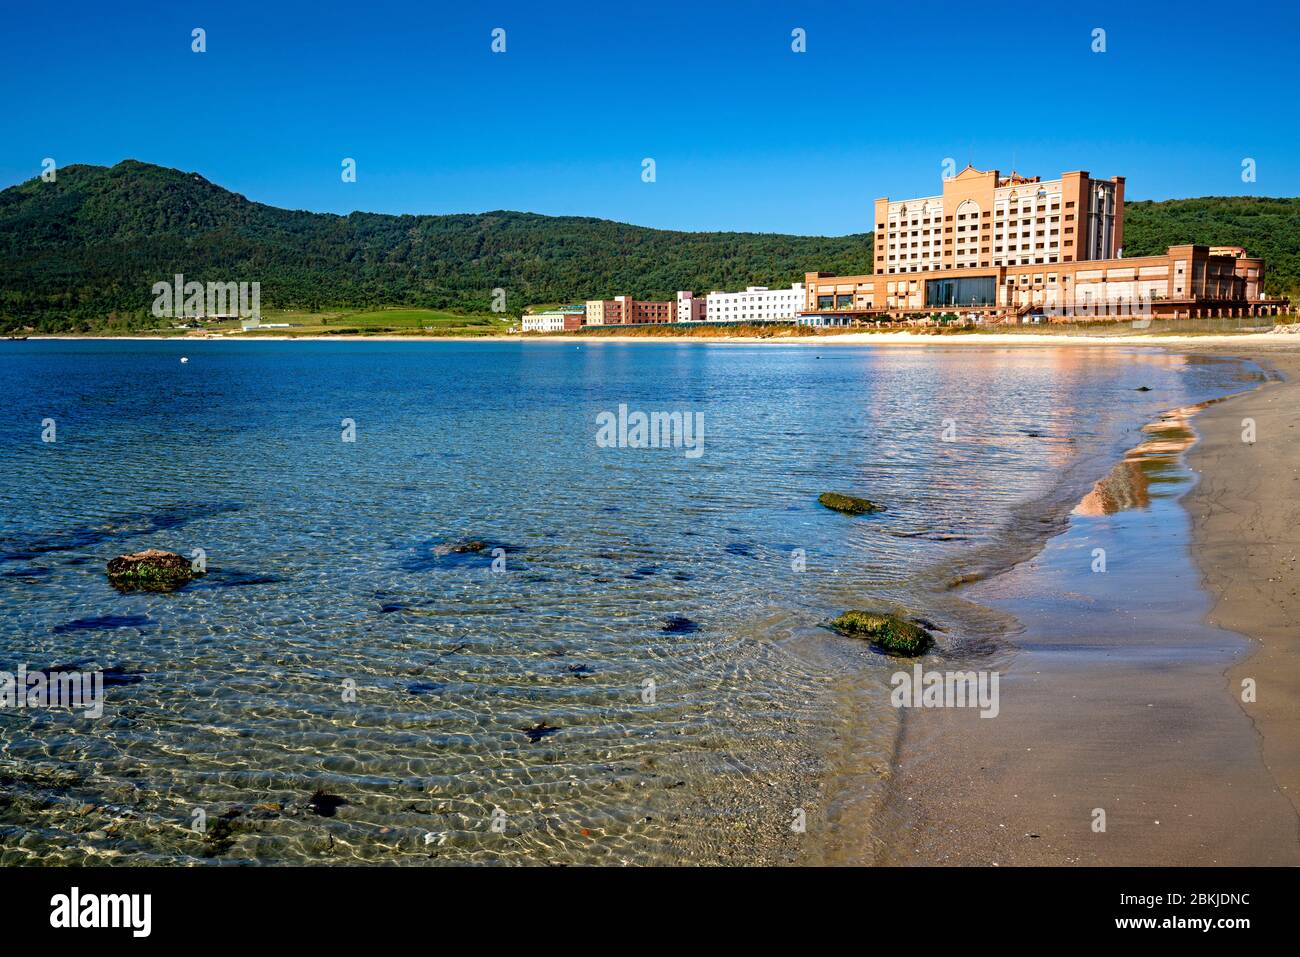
x: 151, y: 570
x: 898, y: 636
x: 460, y: 548
x: 848, y: 504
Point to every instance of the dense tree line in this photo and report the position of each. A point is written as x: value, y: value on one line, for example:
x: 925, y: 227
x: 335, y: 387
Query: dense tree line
x: 83, y: 252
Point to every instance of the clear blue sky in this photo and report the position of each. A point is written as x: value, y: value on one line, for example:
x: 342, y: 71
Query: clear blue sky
x: 745, y: 133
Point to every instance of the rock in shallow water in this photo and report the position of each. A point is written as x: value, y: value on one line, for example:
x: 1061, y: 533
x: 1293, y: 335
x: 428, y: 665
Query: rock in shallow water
x: 324, y: 804
x: 848, y: 504
x: 679, y: 625
x: 539, y: 730
x: 460, y: 548
x: 151, y: 570
x: 889, y: 633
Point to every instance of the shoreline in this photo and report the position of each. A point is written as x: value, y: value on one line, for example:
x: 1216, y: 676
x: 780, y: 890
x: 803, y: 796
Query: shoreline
x: 1137, y: 712
x: 1241, y: 339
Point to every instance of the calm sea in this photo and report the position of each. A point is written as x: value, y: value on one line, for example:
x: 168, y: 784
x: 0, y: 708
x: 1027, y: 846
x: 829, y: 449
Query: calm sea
x: 659, y: 613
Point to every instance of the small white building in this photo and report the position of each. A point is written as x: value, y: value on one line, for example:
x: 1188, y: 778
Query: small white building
x: 551, y: 321
x: 757, y: 304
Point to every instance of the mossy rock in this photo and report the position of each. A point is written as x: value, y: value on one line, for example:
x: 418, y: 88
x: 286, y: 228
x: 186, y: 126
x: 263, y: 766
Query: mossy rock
x: 151, y: 570
x: 464, y: 547
x: 848, y: 504
x: 889, y: 633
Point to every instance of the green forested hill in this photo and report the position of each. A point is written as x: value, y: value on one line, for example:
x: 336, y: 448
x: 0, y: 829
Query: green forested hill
x: 85, y: 251
x: 1266, y: 227
x: 93, y: 243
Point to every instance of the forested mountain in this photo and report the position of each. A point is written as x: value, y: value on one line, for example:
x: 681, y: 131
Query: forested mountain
x: 84, y: 251
x: 95, y: 241
x: 1266, y: 227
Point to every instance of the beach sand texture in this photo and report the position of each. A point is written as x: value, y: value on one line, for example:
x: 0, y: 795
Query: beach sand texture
x: 1128, y: 699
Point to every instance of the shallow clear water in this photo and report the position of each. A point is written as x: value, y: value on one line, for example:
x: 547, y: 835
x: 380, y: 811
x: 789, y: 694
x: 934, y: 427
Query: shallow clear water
x: 328, y: 570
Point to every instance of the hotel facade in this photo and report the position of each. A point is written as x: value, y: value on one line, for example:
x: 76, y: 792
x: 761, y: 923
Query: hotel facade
x: 1016, y: 247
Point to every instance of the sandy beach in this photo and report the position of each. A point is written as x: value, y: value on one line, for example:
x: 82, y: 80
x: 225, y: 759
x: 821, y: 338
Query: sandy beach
x: 1129, y: 699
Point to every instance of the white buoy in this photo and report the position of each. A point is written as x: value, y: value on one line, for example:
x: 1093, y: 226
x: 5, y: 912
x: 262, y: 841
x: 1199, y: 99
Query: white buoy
x: 185, y: 358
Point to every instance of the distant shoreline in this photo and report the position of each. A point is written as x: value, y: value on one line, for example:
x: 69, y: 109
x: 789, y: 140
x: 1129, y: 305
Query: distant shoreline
x: 844, y: 339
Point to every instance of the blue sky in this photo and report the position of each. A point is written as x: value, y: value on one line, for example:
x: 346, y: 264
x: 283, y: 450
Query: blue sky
x: 745, y: 133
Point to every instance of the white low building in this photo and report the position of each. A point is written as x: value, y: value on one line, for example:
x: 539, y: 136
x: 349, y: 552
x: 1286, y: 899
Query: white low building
x: 556, y: 321
x: 757, y: 304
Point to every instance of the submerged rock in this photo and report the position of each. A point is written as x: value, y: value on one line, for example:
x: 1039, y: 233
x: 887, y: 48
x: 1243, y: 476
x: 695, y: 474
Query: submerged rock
x: 151, y: 570
x: 220, y: 837
x: 424, y: 687
x: 898, y: 636
x: 324, y: 804
x: 848, y: 504
x: 539, y: 730
x: 103, y: 622
x: 679, y: 625
x: 460, y: 548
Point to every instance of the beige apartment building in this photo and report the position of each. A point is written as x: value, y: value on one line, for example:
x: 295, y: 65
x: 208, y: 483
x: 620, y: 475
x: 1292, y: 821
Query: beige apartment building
x: 624, y: 310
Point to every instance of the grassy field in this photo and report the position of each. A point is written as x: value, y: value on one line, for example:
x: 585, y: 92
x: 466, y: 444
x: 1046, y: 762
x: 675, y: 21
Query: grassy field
x: 398, y: 321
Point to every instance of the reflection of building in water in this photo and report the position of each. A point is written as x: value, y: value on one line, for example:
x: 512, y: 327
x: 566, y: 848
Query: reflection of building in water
x: 1129, y: 483
x: 1123, y: 489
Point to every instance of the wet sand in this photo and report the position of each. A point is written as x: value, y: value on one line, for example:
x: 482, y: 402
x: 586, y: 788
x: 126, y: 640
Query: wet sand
x: 1123, y: 691
x: 1246, y: 520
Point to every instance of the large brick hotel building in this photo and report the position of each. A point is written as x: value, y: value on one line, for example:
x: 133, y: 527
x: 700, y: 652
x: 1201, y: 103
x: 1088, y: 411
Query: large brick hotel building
x: 1013, y: 246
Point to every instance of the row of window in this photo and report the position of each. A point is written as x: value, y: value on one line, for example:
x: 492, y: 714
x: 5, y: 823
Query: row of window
x: 924, y: 266
x: 1024, y: 210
